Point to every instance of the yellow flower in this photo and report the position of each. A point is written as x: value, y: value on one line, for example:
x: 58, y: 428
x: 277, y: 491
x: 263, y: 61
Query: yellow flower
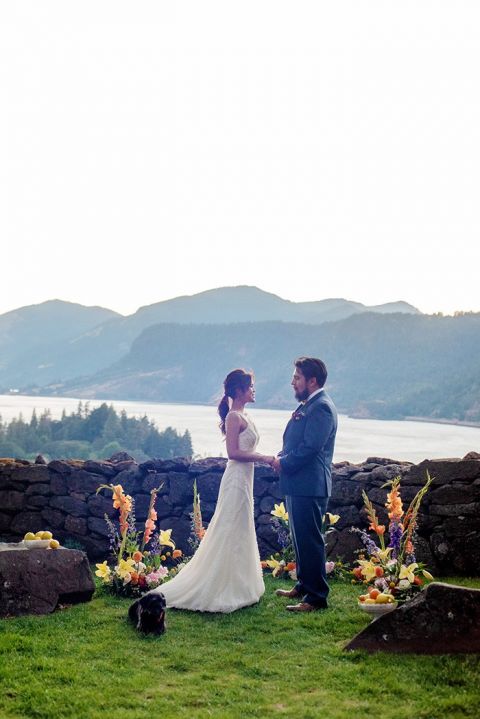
x: 427, y: 575
x: 103, y: 571
x: 383, y: 554
x: 124, y: 567
x: 276, y: 566
x: 368, y: 569
x: 164, y: 538
x: 333, y: 518
x: 408, y: 572
x: 280, y: 512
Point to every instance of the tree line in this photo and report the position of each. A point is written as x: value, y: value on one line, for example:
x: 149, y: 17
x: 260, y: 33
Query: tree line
x: 90, y: 434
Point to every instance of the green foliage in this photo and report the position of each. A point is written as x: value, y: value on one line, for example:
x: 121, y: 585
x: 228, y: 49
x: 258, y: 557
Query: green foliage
x: 87, y: 661
x: 86, y: 433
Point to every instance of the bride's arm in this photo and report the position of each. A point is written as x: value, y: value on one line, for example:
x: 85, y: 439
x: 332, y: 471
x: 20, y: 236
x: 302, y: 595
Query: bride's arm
x: 233, y: 425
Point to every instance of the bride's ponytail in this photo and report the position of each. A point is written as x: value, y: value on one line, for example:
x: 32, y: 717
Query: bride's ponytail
x: 223, y: 409
x: 236, y: 380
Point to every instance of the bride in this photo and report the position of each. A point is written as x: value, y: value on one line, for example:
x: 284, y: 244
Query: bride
x: 225, y: 574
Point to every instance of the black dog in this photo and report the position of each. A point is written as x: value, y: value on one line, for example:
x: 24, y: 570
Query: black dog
x: 148, y: 613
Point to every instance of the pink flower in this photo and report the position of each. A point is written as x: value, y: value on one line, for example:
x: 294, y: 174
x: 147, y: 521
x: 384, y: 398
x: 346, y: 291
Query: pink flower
x: 157, y: 575
x: 329, y: 567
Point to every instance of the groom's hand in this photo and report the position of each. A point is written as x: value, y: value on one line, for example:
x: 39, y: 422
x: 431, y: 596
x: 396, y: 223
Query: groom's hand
x: 276, y: 465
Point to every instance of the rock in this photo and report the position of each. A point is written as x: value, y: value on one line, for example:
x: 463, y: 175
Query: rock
x: 444, y: 471
x: 177, y: 464
x: 11, y: 501
x: 40, y: 459
x: 99, y: 526
x: 70, y: 505
x: 26, y: 522
x: 208, y: 486
x: 343, y: 544
x: 5, y: 521
x: 344, y: 471
x: 38, y: 489
x: 385, y: 461
x: 120, y: 457
x: 35, y: 581
x: 443, y: 619
x: 58, y: 484
x: 54, y: 519
x: 127, y: 464
x: 454, y: 510
x: 83, y: 481
x: 32, y: 473
x: 154, y: 480
x: 262, y: 470
x: 60, y: 466
x: 349, y: 517
x: 346, y: 492
x: 266, y: 504
x: 472, y: 455
x: 105, y: 469
x: 211, y: 464
x: 99, y: 505
x: 261, y: 487
x: 76, y: 525
x: 37, y: 500
x: 181, y: 488
x: 454, y: 494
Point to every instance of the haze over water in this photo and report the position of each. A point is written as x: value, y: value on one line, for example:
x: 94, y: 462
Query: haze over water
x: 357, y: 439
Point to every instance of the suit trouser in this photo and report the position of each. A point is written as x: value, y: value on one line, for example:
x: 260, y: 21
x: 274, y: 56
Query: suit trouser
x: 305, y: 516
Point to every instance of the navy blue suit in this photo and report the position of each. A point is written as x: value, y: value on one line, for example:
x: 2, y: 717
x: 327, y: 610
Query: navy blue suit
x: 306, y: 482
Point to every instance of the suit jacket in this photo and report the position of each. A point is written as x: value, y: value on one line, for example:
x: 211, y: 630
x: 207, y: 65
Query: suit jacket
x: 308, y: 444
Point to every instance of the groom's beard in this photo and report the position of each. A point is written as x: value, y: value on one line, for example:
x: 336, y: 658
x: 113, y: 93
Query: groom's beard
x: 301, y: 396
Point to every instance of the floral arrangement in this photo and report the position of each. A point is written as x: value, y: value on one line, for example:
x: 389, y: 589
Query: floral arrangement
x: 391, y: 572
x: 136, y: 569
x: 283, y: 562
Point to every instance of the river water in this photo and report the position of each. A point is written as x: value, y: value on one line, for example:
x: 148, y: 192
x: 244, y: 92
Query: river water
x: 357, y: 439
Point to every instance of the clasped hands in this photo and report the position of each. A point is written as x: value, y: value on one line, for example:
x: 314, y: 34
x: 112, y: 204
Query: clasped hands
x: 274, y: 462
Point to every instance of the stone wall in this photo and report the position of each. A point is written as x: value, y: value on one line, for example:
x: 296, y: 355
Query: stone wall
x: 61, y: 496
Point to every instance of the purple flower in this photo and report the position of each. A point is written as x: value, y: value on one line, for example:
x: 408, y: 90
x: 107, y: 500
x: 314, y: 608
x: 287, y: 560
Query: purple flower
x: 396, y: 533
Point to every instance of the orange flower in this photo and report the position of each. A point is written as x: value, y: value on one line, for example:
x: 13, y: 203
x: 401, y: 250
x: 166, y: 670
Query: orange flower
x: 134, y: 577
x: 379, y: 572
x: 177, y: 553
x: 290, y: 566
x: 263, y: 565
x: 394, y: 504
x: 137, y: 556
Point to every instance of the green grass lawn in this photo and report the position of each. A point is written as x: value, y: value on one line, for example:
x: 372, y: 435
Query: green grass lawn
x: 88, y: 662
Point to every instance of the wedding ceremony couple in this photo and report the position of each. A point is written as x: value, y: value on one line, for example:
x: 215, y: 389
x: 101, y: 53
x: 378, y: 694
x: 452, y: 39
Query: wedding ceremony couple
x: 225, y: 572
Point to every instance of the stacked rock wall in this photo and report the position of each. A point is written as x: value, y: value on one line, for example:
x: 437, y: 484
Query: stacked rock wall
x: 61, y: 496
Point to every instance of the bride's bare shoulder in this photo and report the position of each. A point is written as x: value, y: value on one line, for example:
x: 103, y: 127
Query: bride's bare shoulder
x: 235, y: 419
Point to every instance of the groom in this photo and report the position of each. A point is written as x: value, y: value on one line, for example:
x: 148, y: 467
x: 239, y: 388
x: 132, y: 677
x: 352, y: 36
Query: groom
x: 304, y: 465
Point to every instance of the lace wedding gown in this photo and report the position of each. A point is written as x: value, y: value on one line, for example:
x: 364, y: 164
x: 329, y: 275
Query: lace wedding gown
x: 224, y: 574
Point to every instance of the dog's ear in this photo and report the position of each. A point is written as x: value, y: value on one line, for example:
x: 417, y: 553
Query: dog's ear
x: 134, y: 613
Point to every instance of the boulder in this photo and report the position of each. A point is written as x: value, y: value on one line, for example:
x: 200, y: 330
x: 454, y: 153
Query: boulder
x: 35, y: 581
x: 443, y: 619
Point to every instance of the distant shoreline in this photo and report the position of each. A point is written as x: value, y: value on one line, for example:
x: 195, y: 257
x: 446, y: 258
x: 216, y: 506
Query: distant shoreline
x: 455, y: 422
x: 429, y: 420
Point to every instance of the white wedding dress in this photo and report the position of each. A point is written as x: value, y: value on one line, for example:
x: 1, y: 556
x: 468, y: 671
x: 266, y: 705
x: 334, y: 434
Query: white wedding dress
x: 225, y: 573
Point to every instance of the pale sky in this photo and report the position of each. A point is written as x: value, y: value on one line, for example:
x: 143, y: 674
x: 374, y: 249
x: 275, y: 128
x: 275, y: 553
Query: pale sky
x: 314, y: 149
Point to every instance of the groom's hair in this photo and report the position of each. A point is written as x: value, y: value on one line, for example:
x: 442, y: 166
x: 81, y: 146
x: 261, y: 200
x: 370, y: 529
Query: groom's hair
x: 312, y: 367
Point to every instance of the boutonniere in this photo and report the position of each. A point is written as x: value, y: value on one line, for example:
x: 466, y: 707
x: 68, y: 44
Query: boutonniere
x: 298, y: 414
